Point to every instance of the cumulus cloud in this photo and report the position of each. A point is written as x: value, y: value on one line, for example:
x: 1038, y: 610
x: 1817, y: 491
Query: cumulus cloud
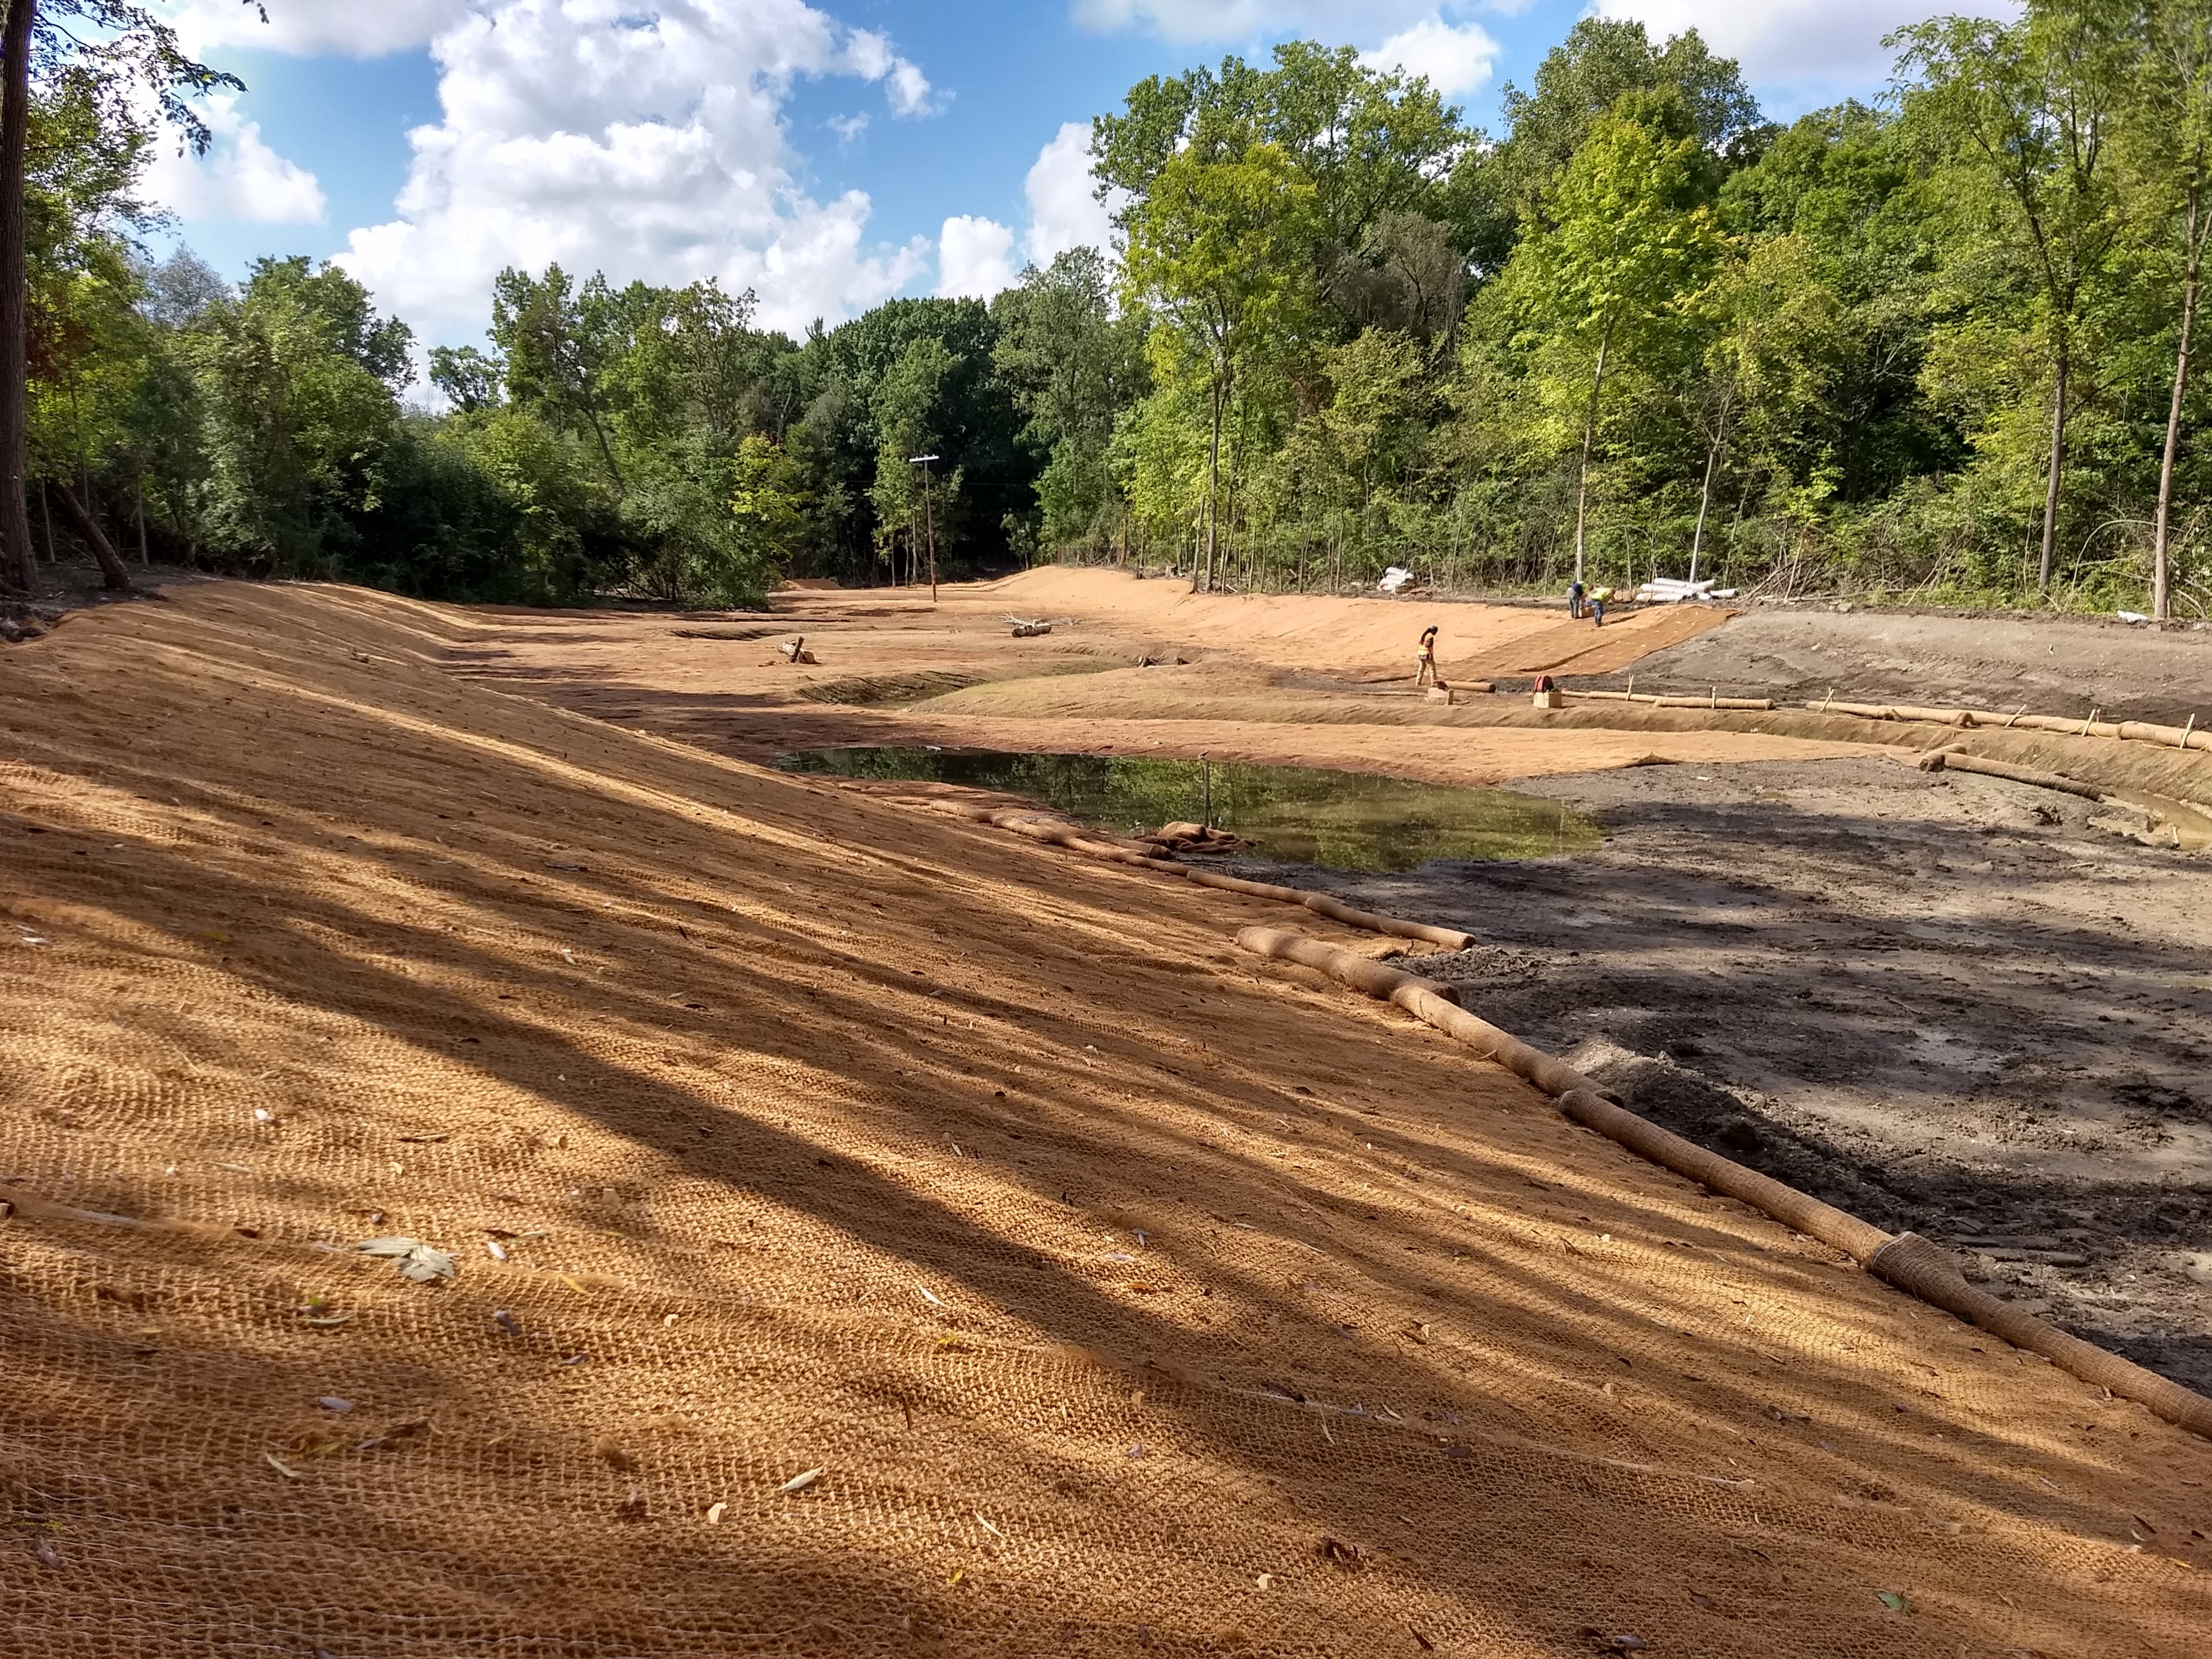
x: 1063, y: 212
x: 648, y: 144
x: 356, y: 29
x: 870, y: 56
x: 1814, y: 47
x: 239, y: 179
x: 1457, y: 59
x: 975, y: 257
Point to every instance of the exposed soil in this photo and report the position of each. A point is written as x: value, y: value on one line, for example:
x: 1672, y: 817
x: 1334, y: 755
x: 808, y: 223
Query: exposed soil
x: 881, y: 1236
x: 2053, y: 664
x: 71, y: 585
x: 1944, y: 1002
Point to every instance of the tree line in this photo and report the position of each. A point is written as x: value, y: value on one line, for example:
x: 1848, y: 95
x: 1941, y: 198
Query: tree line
x: 1936, y: 347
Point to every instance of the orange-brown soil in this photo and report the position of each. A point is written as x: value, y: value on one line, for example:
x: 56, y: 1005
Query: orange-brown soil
x: 1127, y: 1296
x: 1292, y: 681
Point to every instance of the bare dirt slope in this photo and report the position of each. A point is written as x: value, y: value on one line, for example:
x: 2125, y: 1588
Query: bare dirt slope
x: 892, y: 669
x: 1371, y: 638
x: 2049, y: 665
x: 1126, y: 1299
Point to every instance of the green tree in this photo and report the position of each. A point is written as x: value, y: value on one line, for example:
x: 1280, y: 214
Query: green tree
x: 1072, y: 365
x: 104, y: 50
x: 1580, y: 84
x: 1378, y: 149
x: 298, y: 380
x: 2029, y: 108
x: 909, y: 422
x: 1776, y: 333
x: 1630, y: 243
x: 2167, y: 138
x: 1216, y: 254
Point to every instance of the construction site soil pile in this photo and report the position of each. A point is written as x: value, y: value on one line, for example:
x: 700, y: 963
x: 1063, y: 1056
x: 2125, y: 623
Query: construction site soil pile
x: 806, y: 1226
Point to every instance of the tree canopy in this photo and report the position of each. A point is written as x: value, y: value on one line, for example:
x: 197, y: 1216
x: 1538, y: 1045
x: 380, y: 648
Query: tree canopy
x: 1937, y: 346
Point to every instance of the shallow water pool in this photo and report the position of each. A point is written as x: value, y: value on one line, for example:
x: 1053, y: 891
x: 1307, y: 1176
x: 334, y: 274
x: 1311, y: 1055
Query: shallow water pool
x: 1298, y: 814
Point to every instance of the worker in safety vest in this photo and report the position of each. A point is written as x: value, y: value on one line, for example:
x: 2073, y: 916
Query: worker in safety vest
x: 1597, y: 599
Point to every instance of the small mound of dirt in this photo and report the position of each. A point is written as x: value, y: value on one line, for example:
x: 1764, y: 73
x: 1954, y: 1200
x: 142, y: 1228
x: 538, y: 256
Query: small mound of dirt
x: 1478, y: 963
x: 760, y: 633
x: 888, y: 690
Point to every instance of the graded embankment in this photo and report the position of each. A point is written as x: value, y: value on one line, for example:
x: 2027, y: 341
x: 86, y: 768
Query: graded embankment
x: 909, y: 1239
x: 1361, y: 637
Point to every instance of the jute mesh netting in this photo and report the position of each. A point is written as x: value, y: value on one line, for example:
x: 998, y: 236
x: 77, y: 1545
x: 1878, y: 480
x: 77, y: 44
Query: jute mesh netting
x: 1120, y: 1295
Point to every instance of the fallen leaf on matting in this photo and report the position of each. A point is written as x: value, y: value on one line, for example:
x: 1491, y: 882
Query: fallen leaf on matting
x: 800, y: 1482
x: 1892, y: 1601
x: 424, y: 1263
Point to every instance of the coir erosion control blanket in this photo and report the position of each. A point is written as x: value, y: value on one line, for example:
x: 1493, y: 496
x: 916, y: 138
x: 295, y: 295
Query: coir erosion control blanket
x: 817, y: 1228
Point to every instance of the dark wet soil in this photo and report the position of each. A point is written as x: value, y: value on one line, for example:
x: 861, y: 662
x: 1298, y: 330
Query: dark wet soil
x: 1943, y: 1002
x: 2047, y: 665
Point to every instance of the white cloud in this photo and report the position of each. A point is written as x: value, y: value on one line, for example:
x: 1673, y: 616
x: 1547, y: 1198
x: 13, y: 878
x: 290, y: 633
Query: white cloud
x: 870, y: 56
x: 239, y: 179
x: 1816, y: 49
x: 1188, y: 21
x: 975, y: 257
x: 356, y: 29
x: 1457, y: 60
x: 647, y: 144
x: 1063, y: 213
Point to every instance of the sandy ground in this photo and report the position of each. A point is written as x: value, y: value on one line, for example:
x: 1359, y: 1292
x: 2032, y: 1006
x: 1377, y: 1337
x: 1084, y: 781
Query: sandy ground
x: 893, y: 670
x: 1904, y: 1022
x: 1368, y: 640
x: 1115, y: 1296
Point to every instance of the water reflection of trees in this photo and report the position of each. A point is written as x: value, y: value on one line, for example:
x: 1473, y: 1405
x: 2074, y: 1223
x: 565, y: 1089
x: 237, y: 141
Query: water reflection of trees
x: 1344, y: 820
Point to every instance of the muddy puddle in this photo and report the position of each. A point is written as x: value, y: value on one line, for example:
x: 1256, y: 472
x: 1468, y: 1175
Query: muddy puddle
x: 1302, y: 815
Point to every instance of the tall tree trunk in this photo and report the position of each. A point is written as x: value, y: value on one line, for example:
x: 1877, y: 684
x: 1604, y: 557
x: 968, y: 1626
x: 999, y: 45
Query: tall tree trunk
x: 2057, y: 470
x: 1589, y: 438
x: 2161, y: 597
x: 1212, y: 484
x: 18, y: 561
x: 112, y: 572
x: 1704, y: 499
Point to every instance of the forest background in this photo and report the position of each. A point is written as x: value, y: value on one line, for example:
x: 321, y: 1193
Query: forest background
x: 1934, y: 350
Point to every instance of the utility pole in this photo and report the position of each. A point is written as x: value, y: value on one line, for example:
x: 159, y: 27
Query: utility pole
x: 929, y: 518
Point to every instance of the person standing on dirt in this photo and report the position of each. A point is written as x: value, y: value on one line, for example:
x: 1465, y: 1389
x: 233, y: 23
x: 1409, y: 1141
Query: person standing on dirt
x: 1597, y: 599
x: 1426, y: 674
x: 1575, y: 592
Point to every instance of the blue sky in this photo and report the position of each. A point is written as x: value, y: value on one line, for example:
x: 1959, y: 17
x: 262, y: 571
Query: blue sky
x: 826, y: 153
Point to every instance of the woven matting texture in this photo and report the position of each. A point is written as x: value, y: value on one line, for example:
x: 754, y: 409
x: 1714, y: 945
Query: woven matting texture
x: 1129, y: 1296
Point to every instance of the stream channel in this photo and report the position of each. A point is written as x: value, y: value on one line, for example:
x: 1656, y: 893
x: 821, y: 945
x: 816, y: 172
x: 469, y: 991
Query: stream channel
x: 1355, y: 821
